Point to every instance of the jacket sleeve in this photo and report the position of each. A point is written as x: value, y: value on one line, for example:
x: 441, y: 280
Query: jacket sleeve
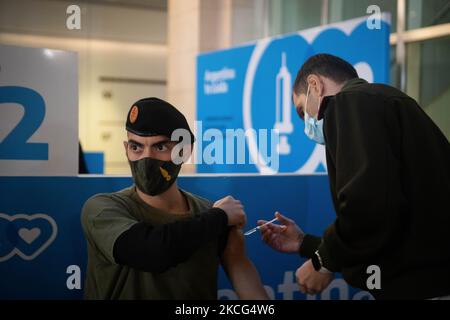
x: 309, y: 245
x: 368, y: 193
x: 120, y: 239
x: 156, y: 249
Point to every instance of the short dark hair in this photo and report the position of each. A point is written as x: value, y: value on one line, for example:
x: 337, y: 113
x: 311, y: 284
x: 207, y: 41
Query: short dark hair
x: 325, y: 65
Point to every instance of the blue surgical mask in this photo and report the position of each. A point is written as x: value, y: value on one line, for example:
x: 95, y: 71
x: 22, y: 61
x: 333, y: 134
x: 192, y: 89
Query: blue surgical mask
x: 313, y: 127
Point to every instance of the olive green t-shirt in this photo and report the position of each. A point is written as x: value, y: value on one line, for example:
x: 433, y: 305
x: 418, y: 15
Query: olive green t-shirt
x: 106, y: 216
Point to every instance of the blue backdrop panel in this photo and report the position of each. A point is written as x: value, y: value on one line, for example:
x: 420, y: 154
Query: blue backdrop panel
x: 250, y: 87
x: 95, y: 162
x: 41, y: 235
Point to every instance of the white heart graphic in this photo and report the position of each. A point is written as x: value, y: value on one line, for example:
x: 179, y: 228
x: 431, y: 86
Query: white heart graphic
x: 29, y: 235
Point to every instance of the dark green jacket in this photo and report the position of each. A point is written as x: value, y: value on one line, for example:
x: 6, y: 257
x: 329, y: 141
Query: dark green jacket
x: 389, y: 172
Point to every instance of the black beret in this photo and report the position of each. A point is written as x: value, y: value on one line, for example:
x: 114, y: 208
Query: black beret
x: 154, y: 117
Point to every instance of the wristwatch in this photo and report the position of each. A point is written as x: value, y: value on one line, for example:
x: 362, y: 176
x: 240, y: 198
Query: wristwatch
x: 318, y: 263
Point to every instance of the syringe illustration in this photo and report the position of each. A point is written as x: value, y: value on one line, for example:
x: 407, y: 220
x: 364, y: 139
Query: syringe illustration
x: 283, y: 107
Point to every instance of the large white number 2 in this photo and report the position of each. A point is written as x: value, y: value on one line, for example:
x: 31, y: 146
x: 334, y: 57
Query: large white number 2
x: 16, y: 146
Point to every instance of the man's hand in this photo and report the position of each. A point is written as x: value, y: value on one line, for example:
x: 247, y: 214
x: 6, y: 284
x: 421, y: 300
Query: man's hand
x: 286, y: 237
x: 310, y: 280
x: 234, y: 210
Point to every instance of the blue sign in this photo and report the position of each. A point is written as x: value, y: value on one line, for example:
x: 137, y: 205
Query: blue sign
x: 39, y: 124
x: 15, y: 145
x: 250, y: 88
x: 43, y: 251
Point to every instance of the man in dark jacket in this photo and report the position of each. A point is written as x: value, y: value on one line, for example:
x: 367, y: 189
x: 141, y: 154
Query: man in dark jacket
x: 389, y: 172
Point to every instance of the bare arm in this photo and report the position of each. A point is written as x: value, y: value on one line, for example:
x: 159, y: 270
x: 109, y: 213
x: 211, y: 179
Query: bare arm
x: 240, y: 270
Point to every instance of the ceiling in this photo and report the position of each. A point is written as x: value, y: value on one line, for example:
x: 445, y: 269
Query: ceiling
x: 160, y: 5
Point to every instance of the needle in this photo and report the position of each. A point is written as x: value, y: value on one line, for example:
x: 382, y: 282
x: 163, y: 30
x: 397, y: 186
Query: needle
x: 249, y: 232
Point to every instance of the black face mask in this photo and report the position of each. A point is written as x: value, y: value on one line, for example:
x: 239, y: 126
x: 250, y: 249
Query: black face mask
x: 153, y: 176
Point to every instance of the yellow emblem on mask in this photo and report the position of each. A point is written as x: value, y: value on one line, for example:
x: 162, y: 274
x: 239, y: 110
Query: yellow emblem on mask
x: 165, y: 174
